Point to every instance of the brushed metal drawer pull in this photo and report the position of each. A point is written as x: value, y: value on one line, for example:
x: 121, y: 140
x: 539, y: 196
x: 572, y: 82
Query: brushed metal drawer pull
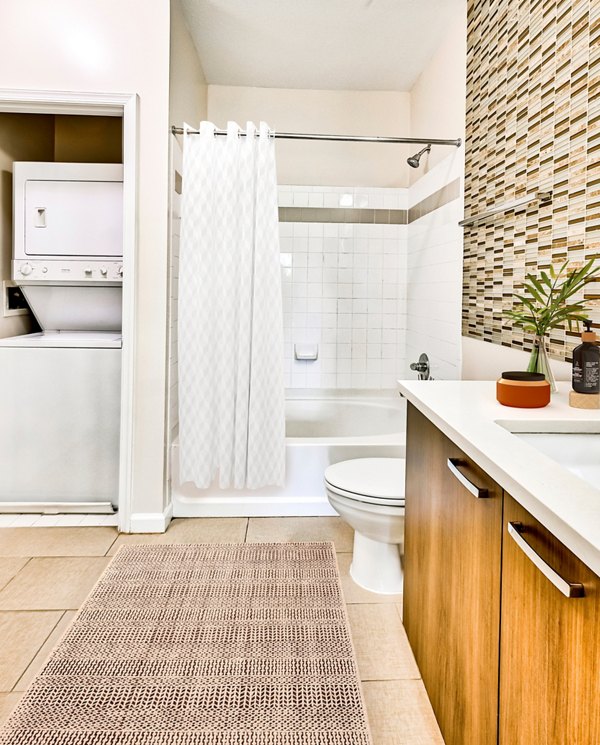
x: 568, y: 589
x: 453, y: 465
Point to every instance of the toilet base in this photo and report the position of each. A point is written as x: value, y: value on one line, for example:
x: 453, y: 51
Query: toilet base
x: 376, y: 566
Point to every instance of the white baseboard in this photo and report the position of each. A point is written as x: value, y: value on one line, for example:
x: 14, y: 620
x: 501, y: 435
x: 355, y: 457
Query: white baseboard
x: 151, y: 522
x: 245, y: 506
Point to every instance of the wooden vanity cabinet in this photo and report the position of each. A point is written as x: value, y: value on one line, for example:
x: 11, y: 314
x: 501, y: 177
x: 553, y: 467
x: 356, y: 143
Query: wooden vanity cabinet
x: 503, y: 619
x: 452, y: 559
x: 550, y: 643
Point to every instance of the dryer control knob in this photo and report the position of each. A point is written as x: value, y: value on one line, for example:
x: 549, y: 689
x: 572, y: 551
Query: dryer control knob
x: 88, y: 270
x: 120, y: 271
x: 104, y: 271
x: 25, y: 269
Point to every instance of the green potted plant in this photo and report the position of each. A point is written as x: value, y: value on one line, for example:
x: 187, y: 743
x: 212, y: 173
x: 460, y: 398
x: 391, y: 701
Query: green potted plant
x: 545, y: 303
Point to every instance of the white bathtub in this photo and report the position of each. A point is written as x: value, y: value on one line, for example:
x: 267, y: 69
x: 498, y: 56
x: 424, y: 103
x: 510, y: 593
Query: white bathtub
x: 319, y: 431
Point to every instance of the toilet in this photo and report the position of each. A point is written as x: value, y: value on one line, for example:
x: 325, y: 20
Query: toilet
x: 368, y: 493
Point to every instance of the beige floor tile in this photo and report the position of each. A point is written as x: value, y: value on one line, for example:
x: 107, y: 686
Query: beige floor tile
x: 22, y: 635
x: 39, y: 660
x: 353, y: 593
x: 400, y: 608
x: 9, y: 568
x: 75, y: 541
x: 400, y: 713
x: 52, y: 583
x: 8, y: 701
x: 380, y: 642
x: 279, y: 529
x: 190, y: 530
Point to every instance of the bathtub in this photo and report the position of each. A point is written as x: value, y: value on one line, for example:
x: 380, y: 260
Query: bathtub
x: 320, y: 430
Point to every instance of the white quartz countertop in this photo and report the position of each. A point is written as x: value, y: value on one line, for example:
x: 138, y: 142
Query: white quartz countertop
x: 467, y: 413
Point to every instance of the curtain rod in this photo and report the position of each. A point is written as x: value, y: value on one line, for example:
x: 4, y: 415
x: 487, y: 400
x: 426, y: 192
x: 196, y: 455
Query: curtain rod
x: 333, y: 138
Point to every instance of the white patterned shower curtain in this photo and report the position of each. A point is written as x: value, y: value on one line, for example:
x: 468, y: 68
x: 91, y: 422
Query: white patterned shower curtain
x: 230, y: 320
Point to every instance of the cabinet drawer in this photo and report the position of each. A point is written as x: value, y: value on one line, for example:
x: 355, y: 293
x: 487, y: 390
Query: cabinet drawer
x: 550, y: 649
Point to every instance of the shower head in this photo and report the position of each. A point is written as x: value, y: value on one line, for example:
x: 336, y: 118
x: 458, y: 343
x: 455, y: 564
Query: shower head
x: 413, y: 161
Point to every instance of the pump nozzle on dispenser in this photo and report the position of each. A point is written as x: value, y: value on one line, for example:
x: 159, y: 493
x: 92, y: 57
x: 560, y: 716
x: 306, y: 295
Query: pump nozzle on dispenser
x: 586, y: 363
x: 588, y: 335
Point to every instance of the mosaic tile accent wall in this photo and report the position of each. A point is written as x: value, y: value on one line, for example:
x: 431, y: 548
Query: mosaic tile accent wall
x: 533, y: 124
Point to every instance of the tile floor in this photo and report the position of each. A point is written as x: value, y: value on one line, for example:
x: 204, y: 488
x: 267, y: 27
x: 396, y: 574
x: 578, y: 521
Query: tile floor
x: 46, y: 573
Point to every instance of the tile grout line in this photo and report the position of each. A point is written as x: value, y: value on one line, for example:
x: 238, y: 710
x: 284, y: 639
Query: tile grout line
x: 12, y: 690
x: 113, y: 543
x: 20, y: 570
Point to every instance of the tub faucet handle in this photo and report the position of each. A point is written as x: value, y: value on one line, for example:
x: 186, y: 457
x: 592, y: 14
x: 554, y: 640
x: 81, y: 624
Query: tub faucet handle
x: 422, y: 367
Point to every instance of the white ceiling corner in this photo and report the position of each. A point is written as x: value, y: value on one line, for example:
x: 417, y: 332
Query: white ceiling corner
x: 318, y: 44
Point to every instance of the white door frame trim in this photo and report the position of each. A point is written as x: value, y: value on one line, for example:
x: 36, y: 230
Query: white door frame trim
x: 107, y: 104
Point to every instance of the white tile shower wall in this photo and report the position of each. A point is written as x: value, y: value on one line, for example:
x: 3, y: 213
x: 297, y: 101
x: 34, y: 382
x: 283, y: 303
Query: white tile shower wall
x: 344, y: 288
x: 343, y: 196
x: 434, y: 275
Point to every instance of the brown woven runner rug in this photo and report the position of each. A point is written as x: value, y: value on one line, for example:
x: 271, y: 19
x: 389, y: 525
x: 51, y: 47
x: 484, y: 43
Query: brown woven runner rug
x: 203, y: 645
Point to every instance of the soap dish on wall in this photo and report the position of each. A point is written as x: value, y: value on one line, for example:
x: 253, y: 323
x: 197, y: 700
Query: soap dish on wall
x: 306, y: 352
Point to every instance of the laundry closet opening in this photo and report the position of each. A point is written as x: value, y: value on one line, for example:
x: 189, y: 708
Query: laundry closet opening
x: 61, y: 253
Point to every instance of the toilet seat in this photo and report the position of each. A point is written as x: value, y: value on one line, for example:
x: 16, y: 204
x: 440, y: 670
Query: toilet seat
x: 369, y: 480
x: 383, y: 501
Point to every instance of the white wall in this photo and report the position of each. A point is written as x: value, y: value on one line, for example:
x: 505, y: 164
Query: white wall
x: 437, y: 100
x: 324, y: 112
x: 187, y: 103
x: 187, y: 86
x: 484, y: 361
x: 176, y: 168
x: 434, y: 274
x: 435, y: 250
x: 112, y: 47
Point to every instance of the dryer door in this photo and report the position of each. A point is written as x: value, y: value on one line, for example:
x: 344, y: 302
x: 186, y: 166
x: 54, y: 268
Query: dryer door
x: 73, y: 219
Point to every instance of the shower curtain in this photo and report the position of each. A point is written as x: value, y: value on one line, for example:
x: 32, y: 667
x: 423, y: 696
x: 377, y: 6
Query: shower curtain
x: 230, y: 320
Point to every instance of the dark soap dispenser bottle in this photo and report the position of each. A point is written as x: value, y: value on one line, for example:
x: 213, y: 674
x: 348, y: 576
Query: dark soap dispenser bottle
x: 586, y: 363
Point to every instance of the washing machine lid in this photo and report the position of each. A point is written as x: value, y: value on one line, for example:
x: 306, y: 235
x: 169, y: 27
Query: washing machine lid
x: 66, y: 339
x: 379, y: 478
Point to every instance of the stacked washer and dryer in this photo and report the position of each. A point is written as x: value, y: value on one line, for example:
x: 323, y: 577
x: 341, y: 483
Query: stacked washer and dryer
x: 60, y: 387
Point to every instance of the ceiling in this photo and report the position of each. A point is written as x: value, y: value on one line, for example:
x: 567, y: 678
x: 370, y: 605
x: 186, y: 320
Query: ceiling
x: 318, y: 44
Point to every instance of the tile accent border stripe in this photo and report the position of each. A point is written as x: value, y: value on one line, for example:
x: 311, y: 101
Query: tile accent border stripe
x: 373, y: 216
x: 439, y: 198
x: 343, y: 215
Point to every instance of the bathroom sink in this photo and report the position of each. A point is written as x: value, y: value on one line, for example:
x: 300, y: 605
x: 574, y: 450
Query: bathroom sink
x: 579, y: 452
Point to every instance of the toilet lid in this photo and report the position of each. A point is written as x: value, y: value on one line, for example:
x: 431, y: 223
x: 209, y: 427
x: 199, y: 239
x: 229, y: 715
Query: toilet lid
x: 381, y: 478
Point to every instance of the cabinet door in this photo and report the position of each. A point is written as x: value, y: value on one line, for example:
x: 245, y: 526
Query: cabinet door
x: 452, y: 560
x: 550, y: 649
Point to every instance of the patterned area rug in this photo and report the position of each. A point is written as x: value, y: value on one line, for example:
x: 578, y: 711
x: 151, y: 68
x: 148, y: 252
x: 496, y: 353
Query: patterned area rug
x: 203, y: 645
